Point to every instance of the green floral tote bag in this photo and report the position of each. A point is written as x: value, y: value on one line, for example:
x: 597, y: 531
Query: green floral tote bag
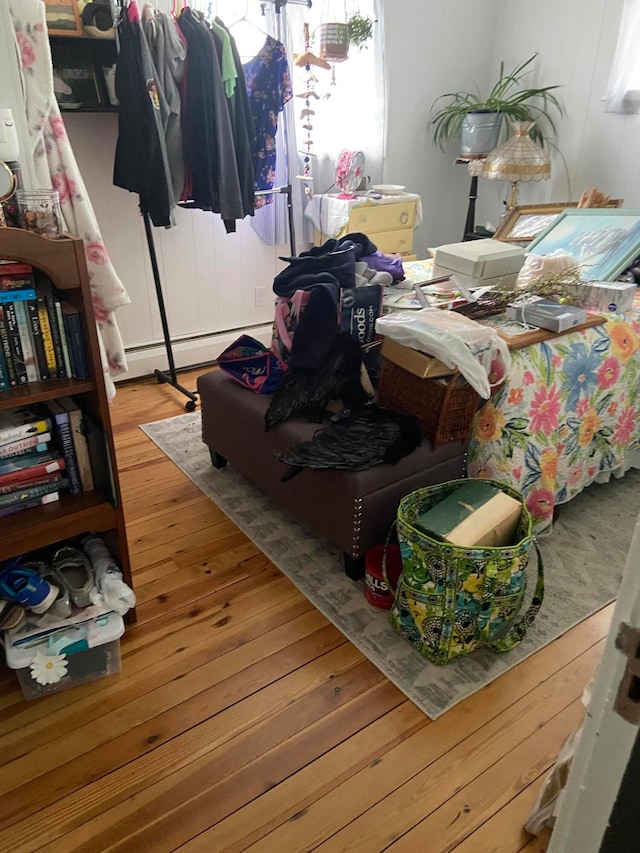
x: 452, y: 600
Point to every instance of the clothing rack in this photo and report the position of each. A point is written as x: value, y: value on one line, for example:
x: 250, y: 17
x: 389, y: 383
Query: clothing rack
x: 170, y: 377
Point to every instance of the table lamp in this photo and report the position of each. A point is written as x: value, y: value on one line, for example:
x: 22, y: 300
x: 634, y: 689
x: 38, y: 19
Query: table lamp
x: 518, y: 159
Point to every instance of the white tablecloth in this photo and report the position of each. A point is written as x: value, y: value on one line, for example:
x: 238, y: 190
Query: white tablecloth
x: 329, y: 214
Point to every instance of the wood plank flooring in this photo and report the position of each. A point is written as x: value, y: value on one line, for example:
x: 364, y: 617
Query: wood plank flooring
x: 243, y: 720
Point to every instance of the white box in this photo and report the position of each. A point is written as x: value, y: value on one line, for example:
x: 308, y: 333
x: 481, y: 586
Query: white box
x: 610, y: 297
x: 92, y: 651
x: 498, y: 282
x: 480, y: 259
x: 547, y: 314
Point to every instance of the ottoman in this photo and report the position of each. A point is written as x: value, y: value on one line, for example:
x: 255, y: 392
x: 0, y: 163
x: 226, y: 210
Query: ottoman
x: 352, y: 509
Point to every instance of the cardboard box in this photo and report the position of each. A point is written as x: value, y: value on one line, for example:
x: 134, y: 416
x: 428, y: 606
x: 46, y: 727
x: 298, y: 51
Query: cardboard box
x: 476, y: 514
x: 480, y: 259
x: 414, y: 361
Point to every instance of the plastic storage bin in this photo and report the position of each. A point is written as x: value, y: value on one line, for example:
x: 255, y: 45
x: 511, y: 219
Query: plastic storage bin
x: 81, y: 653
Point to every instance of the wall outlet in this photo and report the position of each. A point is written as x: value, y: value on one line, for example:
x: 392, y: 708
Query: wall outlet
x: 260, y: 295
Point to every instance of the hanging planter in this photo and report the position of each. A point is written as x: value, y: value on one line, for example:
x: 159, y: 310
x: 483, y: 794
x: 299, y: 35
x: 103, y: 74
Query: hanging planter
x: 334, y: 41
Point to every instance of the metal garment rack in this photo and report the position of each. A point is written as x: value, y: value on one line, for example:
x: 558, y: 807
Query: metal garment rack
x: 170, y: 376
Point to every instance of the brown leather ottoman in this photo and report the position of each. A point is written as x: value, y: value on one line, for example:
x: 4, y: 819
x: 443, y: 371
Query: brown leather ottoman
x: 352, y: 509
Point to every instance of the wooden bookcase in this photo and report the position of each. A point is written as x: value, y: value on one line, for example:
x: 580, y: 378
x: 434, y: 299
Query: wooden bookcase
x: 63, y: 261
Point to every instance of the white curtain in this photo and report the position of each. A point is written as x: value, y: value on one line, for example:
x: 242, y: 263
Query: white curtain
x: 623, y: 95
x: 351, y: 113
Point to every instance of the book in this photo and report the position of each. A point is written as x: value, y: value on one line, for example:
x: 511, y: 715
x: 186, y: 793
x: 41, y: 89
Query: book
x: 56, y: 477
x: 55, y: 332
x: 81, y: 447
x: 475, y: 514
x: 60, y: 419
x: 21, y: 422
x: 26, y: 341
x: 47, y: 338
x: 75, y: 340
x: 25, y: 445
x: 31, y: 493
x: 17, y: 295
x: 38, y: 342
x: 63, y: 337
x: 4, y: 373
x: 102, y: 463
x: 15, y: 276
x: 45, y: 499
x: 17, y: 469
x: 6, y: 349
x: 15, y: 344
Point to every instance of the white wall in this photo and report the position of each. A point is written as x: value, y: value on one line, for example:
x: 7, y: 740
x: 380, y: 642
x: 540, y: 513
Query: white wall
x: 435, y: 47
x: 432, y: 47
x: 576, y: 41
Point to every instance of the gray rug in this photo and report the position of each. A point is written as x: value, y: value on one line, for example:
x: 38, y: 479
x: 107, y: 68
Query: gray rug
x: 584, y: 558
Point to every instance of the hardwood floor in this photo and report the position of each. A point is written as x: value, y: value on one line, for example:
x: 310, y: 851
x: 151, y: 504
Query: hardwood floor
x: 243, y: 720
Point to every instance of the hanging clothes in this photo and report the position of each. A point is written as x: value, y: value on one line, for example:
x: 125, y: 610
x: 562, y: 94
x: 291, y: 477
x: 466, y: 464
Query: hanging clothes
x: 269, y: 88
x: 210, y: 161
x: 242, y: 127
x: 141, y: 165
x: 169, y: 54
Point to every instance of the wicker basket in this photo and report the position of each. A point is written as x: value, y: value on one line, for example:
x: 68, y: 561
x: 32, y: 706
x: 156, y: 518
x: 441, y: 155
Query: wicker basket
x: 444, y: 407
x: 334, y: 42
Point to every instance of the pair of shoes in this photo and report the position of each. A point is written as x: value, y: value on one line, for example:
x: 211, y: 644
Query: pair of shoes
x: 74, y: 570
x: 27, y: 588
x: 12, y: 616
x: 61, y: 606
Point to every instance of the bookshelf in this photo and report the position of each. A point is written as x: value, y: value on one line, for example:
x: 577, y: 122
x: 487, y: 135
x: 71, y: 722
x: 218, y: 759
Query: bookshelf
x: 99, y: 510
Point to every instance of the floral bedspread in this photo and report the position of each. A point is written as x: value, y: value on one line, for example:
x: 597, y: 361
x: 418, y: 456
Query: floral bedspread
x: 568, y: 412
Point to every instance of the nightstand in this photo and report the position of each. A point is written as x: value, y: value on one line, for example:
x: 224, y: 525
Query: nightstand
x: 389, y: 221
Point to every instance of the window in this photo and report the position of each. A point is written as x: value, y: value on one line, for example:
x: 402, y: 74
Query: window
x: 623, y: 95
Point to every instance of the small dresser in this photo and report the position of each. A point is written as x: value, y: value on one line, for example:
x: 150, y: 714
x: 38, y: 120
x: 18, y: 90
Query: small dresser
x: 389, y: 221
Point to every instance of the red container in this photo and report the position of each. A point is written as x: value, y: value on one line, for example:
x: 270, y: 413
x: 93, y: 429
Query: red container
x: 376, y: 590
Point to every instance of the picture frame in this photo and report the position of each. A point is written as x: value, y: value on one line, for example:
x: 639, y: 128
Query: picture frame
x: 63, y: 18
x: 604, y: 241
x: 526, y: 221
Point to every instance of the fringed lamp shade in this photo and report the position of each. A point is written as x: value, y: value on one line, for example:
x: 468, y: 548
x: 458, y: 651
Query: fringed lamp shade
x: 519, y: 159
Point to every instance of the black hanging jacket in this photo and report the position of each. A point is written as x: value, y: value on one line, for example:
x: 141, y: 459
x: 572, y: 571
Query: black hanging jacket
x: 141, y: 159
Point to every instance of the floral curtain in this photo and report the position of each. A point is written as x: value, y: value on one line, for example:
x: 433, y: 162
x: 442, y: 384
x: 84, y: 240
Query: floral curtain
x: 50, y: 152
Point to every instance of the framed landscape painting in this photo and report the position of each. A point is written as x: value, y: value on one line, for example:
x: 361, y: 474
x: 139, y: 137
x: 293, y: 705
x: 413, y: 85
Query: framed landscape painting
x: 63, y: 18
x: 603, y: 241
x: 525, y: 222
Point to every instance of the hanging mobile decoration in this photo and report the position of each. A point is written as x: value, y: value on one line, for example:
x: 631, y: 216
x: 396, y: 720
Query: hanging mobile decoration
x: 306, y: 60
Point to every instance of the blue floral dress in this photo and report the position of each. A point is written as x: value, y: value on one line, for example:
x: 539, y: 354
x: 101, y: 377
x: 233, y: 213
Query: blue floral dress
x: 269, y: 88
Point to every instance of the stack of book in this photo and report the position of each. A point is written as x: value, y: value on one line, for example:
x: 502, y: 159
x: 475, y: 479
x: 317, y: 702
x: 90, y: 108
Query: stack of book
x: 41, y: 335
x: 43, y: 452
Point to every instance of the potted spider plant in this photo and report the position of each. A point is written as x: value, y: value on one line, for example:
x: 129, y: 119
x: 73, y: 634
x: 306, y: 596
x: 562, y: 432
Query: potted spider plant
x: 478, y: 120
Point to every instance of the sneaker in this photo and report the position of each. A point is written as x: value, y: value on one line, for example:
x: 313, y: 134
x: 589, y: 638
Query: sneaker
x: 12, y: 616
x: 28, y: 589
x: 61, y: 607
x: 75, y: 571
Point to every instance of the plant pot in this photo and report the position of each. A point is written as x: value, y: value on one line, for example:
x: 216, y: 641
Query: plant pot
x: 334, y: 42
x: 480, y: 132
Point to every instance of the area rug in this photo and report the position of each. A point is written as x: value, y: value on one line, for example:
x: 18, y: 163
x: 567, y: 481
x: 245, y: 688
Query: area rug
x: 584, y: 558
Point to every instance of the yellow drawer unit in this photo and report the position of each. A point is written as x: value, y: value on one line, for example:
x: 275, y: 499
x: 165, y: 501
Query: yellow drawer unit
x: 390, y: 226
x: 382, y: 217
